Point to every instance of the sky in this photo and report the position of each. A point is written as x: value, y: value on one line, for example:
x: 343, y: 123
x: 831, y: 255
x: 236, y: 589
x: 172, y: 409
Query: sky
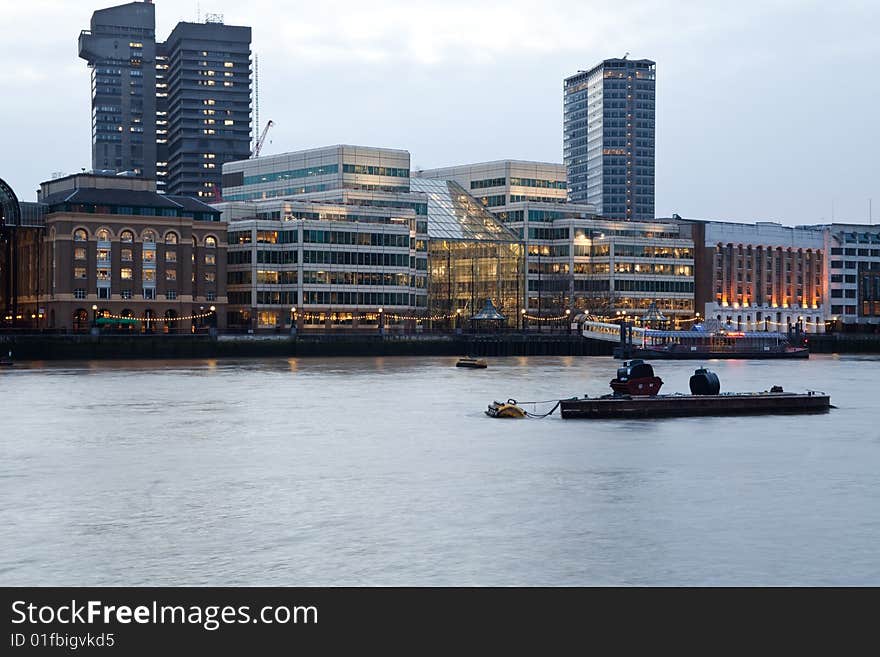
x: 766, y: 110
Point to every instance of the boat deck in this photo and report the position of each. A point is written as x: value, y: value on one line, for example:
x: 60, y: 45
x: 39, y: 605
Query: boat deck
x: 694, y: 405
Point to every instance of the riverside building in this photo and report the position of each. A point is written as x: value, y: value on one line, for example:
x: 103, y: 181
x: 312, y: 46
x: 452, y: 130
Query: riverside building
x: 358, y: 236
x: 609, y: 137
x: 576, y: 260
x: 852, y: 270
x: 116, y: 255
x: 761, y: 276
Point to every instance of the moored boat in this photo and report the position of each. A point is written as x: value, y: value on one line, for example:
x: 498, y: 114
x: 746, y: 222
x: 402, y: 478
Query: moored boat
x: 473, y: 363
x: 705, y: 399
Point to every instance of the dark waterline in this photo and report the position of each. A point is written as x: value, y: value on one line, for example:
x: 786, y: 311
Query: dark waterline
x: 385, y: 471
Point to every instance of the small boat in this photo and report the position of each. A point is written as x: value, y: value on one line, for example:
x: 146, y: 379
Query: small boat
x: 505, y: 409
x: 473, y: 363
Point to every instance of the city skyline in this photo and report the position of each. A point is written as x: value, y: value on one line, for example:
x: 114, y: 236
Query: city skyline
x: 773, y: 156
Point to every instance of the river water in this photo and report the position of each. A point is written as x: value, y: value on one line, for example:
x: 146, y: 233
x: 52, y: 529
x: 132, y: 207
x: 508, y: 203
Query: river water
x: 385, y: 471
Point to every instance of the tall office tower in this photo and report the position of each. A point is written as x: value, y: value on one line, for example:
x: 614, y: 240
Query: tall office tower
x: 609, y: 137
x: 120, y: 48
x: 208, y: 105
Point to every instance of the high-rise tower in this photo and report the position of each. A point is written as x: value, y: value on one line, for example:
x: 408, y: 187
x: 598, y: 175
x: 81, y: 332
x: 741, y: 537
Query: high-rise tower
x: 609, y: 137
x: 120, y: 48
x: 174, y: 111
x: 208, y: 80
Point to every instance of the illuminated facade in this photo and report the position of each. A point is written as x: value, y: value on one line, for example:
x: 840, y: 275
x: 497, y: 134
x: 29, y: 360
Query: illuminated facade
x: 323, y: 265
x: 472, y: 257
x: 325, y: 238
x: 609, y: 138
x: 760, y: 276
x: 576, y: 260
x: 116, y: 254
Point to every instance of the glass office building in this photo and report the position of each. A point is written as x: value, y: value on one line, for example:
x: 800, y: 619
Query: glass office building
x: 472, y: 257
x: 609, y: 137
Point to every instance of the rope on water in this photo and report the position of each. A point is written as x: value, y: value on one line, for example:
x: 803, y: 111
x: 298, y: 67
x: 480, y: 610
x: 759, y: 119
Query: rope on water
x: 537, y: 416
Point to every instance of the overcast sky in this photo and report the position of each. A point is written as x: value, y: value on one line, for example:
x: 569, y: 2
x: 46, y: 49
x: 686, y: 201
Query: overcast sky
x: 766, y: 109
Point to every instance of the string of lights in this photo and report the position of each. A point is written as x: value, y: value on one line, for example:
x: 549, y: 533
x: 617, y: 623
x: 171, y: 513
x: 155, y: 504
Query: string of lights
x: 536, y: 318
x: 156, y: 319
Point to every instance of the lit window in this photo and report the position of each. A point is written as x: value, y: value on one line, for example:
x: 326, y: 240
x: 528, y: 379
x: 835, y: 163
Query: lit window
x: 210, y: 276
x: 126, y: 236
x: 126, y: 255
x: 227, y: 64
x: 211, y: 242
x: 149, y: 256
x: 126, y: 273
x: 79, y: 253
x: 149, y: 236
x: 171, y: 238
x: 80, y: 235
x: 149, y: 275
x: 170, y: 274
x: 210, y: 259
x: 171, y: 256
x: 79, y: 272
x: 229, y: 122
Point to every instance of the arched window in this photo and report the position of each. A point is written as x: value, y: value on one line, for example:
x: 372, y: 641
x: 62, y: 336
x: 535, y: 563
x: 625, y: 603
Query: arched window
x: 80, y: 235
x: 171, y: 238
x: 80, y: 320
x: 126, y: 236
x: 211, y: 242
x: 149, y: 236
x: 103, y: 235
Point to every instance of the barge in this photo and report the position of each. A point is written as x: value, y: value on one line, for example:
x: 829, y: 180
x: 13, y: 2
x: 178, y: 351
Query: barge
x: 680, y: 405
x: 636, y: 396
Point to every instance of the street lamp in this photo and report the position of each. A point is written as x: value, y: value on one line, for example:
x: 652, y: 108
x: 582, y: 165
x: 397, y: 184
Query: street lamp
x: 94, y: 318
x: 568, y: 319
x: 458, y: 320
x: 522, y: 314
x: 381, y: 321
x: 293, y: 320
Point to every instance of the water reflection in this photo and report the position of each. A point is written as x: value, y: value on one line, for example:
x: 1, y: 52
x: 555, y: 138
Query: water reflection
x: 386, y: 471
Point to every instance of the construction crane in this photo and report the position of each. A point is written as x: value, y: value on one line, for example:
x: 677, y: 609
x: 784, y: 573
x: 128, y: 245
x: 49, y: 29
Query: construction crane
x: 259, y: 145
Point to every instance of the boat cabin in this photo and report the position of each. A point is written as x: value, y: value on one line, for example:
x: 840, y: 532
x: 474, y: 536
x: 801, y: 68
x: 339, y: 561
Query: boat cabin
x: 634, y: 369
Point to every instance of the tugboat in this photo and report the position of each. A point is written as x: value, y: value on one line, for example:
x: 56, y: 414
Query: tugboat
x: 473, y: 363
x: 636, y: 377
